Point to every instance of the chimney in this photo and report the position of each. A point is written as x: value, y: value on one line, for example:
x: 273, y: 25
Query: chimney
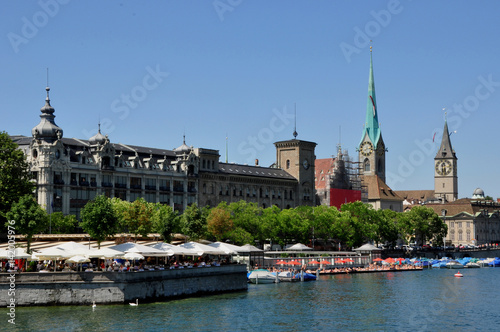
x: 256, y: 162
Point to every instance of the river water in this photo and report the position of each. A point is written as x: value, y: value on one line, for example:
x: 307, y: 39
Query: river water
x: 429, y: 300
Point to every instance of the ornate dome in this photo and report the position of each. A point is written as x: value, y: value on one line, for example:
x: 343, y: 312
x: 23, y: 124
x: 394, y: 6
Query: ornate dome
x: 478, y: 193
x: 183, y: 148
x: 97, y: 138
x: 47, y: 128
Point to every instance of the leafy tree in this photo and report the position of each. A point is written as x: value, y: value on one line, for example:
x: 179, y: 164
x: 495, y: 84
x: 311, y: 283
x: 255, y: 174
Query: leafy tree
x: 219, y: 222
x: 270, y: 224
x: 119, y: 207
x: 363, y: 221
x: 165, y: 221
x: 246, y: 216
x: 99, y: 219
x: 29, y: 218
x: 194, y: 222
x: 60, y: 224
x: 138, y: 217
x: 239, y: 236
x: 387, y: 228
x: 15, y: 176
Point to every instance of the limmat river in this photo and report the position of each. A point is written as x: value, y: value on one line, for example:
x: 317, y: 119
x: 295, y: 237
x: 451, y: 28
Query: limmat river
x: 429, y: 300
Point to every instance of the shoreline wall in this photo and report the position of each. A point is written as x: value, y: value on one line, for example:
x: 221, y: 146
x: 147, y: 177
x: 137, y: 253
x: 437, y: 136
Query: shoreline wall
x: 80, y: 288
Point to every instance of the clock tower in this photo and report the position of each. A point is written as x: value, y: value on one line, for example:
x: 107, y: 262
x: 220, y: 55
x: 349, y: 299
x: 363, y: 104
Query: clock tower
x: 372, y: 149
x: 445, y: 170
x: 297, y: 158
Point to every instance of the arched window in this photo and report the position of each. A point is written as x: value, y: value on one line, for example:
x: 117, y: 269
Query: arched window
x: 367, y: 165
x: 288, y: 164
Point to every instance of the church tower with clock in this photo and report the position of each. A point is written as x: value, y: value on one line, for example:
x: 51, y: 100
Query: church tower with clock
x: 372, y: 148
x: 445, y: 170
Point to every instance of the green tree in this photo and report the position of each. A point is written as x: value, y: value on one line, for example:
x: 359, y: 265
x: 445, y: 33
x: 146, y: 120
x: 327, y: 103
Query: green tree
x: 194, y: 222
x: 165, y: 221
x: 427, y: 224
x: 246, y: 216
x: 387, y: 228
x: 138, y: 217
x: 363, y: 222
x: 99, y: 219
x: 60, y: 224
x: 15, y: 176
x: 119, y: 207
x: 29, y: 218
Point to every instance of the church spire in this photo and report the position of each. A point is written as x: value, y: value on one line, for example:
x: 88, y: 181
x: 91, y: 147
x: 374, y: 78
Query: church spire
x: 445, y: 150
x: 371, y: 123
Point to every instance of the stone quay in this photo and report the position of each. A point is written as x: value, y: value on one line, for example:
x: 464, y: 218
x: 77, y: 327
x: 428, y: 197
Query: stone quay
x: 83, y: 288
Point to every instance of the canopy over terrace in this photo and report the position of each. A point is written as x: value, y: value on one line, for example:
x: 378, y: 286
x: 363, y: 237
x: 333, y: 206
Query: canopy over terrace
x: 230, y: 249
x: 140, y: 249
x: 370, y: 250
x: 298, y: 246
x: 202, y: 249
x: 175, y: 250
x: 17, y: 253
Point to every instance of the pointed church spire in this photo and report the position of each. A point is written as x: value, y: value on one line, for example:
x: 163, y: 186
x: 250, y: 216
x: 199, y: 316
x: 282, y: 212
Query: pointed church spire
x: 445, y: 150
x: 371, y: 123
x: 295, y: 123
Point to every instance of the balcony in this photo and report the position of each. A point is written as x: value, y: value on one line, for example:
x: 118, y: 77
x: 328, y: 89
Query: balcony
x: 93, y: 183
x: 107, y: 168
x: 74, y: 183
x: 58, y: 181
x: 106, y: 184
x: 150, y: 187
x: 121, y: 185
x: 135, y: 186
x: 179, y: 189
x: 163, y: 188
x: 84, y: 183
x: 192, y: 190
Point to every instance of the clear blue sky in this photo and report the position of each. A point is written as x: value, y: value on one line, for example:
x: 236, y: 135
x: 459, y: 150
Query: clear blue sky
x: 152, y: 71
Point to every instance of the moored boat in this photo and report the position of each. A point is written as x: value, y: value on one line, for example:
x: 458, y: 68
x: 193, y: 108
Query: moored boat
x: 262, y: 276
x: 287, y: 276
x: 472, y: 265
x: 454, y: 265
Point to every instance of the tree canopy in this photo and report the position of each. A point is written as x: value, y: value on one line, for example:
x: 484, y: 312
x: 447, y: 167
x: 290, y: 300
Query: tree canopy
x: 15, y: 176
x: 29, y: 218
x: 99, y: 219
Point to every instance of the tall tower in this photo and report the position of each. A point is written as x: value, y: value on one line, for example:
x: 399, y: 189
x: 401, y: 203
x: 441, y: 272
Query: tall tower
x: 445, y: 169
x: 297, y: 158
x: 372, y: 148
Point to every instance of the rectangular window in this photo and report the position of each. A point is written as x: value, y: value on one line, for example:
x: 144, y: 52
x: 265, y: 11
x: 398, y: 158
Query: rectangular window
x: 135, y: 183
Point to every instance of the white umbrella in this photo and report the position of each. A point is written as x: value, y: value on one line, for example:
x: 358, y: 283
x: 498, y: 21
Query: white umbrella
x: 229, y: 249
x: 53, y: 253
x: 173, y: 250
x: 105, y: 253
x: 139, y: 248
x: 202, y: 248
x: 299, y: 246
x: 17, y: 253
x: 78, y: 259
x: 133, y: 256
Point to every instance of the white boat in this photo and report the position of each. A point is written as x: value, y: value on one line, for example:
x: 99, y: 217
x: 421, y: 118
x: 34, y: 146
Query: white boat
x: 287, y: 276
x: 472, y: 265
x: 262, y: 276
x: 454, y: 265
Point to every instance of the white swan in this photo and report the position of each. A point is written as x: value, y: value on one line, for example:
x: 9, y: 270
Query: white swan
x: 93, y: 305
x: 135, y: 304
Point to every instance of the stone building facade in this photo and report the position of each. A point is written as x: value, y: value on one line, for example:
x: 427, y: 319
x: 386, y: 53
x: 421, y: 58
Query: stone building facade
x: 69, y: 172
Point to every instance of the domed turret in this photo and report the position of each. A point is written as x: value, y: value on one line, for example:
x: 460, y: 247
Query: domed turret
x: 47, y: 129
x: 478, y: 194
x: 183, y: 148
x: 97, y: 138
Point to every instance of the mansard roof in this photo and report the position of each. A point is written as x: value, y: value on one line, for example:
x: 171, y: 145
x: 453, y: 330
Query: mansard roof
x: 247, y: 170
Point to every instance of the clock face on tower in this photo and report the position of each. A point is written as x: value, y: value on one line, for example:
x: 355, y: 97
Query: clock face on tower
x: 366, y: 148
x: 305, y: 163
x: 443, y: 167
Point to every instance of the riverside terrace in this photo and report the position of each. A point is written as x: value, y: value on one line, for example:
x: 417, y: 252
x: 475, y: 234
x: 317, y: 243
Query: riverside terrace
x: 83, y: 288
